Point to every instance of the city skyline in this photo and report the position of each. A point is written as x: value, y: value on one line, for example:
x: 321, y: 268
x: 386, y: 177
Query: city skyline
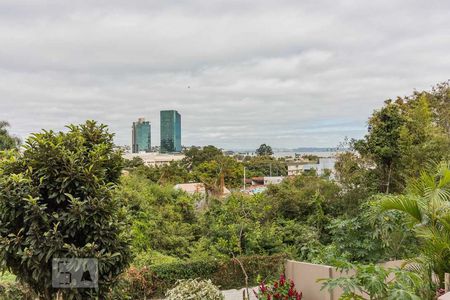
x: 287, y: 73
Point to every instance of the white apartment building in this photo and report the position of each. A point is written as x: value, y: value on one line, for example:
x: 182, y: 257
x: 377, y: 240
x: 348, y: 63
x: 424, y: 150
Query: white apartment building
x: 153, y: 159
x: 298, y: 167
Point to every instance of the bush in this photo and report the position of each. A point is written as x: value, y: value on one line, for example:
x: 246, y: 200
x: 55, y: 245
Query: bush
x: 15, y: 291
x: 134, y: 284
x: 194, y: 289
x: 56, y: 202
x: 156, y: 280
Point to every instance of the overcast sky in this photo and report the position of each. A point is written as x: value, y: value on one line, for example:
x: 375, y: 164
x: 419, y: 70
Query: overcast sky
x: 241, y: 73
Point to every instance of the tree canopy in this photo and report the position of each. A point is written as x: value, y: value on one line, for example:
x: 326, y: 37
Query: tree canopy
x: 56, y: 202
x: 264, y: 150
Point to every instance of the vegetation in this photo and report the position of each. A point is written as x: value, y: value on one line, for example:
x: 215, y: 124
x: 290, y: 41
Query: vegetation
x: 264, y: 150
x: 211, y: 167
x: 405, y: 135
x: 194, y: 289
x: 56, y: 202
x: 64, y: 196
x: 155, y: 280
x: 7, y: 141
x: 373, y: 282
x: 426, y: 203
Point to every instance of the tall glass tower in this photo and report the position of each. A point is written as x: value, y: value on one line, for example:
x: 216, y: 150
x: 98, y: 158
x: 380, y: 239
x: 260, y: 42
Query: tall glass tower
x: 141, y: 136
x: 170, y: 131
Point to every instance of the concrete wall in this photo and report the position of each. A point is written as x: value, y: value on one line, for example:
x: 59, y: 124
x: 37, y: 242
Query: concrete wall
x: 305, y: 276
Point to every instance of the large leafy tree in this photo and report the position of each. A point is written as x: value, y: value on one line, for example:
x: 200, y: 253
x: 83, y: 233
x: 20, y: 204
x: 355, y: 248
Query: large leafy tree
x: 56, y: 202
x: 381, y: 143
x: 197, y: 155
x: 215, y: 174
x: 358, y: 181
x: 264, y: 150
x: 421, y: 140
x: 162, y: 218
x: 7, y: 141
x: 439, y: 99
x: 406, y: 136
x: 237, y: 226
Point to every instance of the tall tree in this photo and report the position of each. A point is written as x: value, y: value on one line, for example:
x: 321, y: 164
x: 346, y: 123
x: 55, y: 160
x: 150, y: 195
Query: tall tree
x: 439, y: 99
x: 264, y: 150
x: 196, y: 156
x: 422, y: 141
x: 406, y: 136
x: 381, y: 143
x: 223, y: 171
x: 56, y: 202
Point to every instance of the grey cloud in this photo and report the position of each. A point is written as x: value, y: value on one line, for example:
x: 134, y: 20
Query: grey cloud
x: 288, y: 73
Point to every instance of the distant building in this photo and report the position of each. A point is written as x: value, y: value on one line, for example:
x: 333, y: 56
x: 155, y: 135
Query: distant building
x: 192, y: 188
x: 266, y: 180
x: 170, y: 131
x: 273, y: 180
x: 141, y: 138
x: 153, y: 159
x: 299, y: 167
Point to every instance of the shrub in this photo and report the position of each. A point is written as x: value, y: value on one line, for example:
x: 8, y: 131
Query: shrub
x: 56, y: 202
x: 134, y: 284
x: 375, y: 282
x: 279, y: 289
x: 226, y: 273
x: 156, y: 280
x: 15, y: 291
x: 194, y: 289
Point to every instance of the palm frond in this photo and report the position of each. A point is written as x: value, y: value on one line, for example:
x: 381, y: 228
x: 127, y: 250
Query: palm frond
x: 408, y: 205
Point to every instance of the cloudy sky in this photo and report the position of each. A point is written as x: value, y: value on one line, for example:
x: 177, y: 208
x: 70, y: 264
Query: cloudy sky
x: 288, y: 73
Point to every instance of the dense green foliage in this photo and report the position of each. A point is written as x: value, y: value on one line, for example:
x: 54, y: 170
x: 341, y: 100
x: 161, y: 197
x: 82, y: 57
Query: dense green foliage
x: 373, y: 282
x: 56, y: 202
x: 163, y: 219
x: 194, y: 289
x: 406, y: 135
x: 225, y: 273
x: 426, y: 203
x: 264, y: 150
x: 304, y: 217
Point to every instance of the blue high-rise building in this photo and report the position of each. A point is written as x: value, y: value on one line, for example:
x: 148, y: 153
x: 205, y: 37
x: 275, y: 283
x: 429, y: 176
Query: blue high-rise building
x: 170, y: 131
x: 141, y: 136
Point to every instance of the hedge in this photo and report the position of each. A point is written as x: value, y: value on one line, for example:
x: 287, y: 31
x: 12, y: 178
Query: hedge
x: 227, y: 274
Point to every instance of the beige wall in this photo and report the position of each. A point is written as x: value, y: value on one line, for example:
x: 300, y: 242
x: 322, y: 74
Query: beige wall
x: 305, y: 276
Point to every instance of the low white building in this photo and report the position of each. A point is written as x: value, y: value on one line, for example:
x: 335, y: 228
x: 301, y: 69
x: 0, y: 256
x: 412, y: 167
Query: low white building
x: 153, y: 159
